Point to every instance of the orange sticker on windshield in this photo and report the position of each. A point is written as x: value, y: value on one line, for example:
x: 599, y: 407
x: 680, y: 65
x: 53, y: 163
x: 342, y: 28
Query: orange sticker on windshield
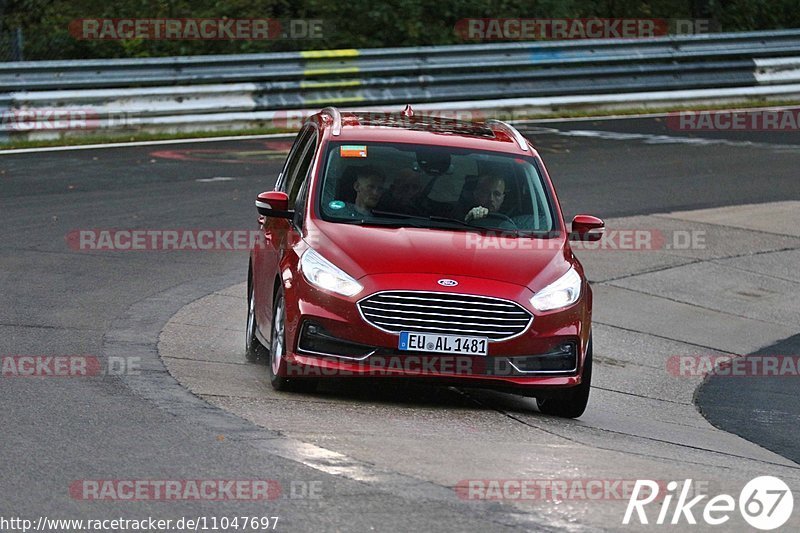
x: 349, y: 150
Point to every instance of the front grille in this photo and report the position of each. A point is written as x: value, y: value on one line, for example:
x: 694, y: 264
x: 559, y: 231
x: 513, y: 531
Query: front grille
x: 445, y: 313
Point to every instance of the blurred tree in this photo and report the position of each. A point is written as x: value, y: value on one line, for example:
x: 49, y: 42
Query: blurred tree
x: 356, y: 24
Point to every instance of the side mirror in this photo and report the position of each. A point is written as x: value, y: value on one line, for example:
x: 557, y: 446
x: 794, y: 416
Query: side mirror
x: 587, y: 228
x: 274, y: 204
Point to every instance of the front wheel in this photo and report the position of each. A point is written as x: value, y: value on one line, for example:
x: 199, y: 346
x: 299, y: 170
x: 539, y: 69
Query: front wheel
x: 253, y: 349
x: 572, y: 402
x: 277, y: 353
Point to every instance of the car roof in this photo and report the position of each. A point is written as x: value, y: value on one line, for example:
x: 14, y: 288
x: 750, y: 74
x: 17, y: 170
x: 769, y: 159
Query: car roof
x: 410, y: 127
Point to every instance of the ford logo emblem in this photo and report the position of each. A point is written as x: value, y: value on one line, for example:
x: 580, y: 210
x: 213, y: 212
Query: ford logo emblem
x: 448, y: 282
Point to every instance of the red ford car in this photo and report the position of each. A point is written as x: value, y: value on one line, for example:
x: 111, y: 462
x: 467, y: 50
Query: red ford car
x: 399, y: 245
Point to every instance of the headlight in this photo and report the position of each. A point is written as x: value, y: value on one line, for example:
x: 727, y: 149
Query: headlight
x: 323, y: 274
x: 563, y: 292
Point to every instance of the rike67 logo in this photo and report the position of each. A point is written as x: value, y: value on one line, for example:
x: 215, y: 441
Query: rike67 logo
x: 765, y: 503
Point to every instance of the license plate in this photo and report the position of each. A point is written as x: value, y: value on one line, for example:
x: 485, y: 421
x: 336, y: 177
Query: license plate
x: 431, y: 342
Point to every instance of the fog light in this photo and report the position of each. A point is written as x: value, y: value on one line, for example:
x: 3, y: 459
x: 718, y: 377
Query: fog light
x: 562, y: 359
x: 315, y: 340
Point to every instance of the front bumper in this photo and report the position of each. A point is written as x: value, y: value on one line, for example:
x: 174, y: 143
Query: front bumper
x: 328, y: 337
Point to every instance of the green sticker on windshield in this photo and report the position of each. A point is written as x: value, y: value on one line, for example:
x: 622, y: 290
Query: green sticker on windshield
x: 336, y: 204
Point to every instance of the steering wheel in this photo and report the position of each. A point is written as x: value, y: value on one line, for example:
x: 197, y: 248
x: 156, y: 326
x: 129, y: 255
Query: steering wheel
x: 499, y: 216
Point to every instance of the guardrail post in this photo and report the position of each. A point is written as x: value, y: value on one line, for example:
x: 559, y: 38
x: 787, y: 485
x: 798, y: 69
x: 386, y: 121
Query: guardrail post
x: 17, y: 45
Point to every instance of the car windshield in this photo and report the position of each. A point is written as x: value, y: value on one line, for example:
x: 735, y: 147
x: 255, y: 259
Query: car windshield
x: 433, y: 186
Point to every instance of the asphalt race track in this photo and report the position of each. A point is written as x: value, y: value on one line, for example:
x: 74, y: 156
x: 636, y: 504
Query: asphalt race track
x: 365, y: 457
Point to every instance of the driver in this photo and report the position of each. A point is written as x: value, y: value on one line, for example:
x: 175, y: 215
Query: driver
x: 488, y: 196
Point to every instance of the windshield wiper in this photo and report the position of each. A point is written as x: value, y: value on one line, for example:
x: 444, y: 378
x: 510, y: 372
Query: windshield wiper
x: 515, y: 232
x: 437, y: 218
x: 374, y: 222
x: 449, y: 220
x: 392, y: 214
x: 434, y: 218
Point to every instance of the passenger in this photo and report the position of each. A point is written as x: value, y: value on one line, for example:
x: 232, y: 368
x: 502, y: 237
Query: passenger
x: 403, y: 194
x: 487, y: 197
x: 369, y: 187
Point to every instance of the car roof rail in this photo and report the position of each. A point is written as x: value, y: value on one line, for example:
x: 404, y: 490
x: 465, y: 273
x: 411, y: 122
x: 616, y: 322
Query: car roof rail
x: 336, y: 129
x: 511, y: 130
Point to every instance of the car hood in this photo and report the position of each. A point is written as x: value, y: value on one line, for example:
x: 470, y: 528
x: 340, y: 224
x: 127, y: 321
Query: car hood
x: 368, y: 250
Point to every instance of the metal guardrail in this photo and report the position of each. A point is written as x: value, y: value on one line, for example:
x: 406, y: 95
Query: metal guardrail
x: 161, y: 90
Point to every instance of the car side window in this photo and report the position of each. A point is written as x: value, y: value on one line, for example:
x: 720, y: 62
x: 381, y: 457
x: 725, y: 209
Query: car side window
x: 301, y: 172
x: 300, y: 205
x: 294, y: 158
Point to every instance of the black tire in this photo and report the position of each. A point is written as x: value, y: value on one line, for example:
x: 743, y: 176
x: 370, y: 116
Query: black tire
x: 276, y: 366
x: 254, y: 351
x: 570, y: 403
